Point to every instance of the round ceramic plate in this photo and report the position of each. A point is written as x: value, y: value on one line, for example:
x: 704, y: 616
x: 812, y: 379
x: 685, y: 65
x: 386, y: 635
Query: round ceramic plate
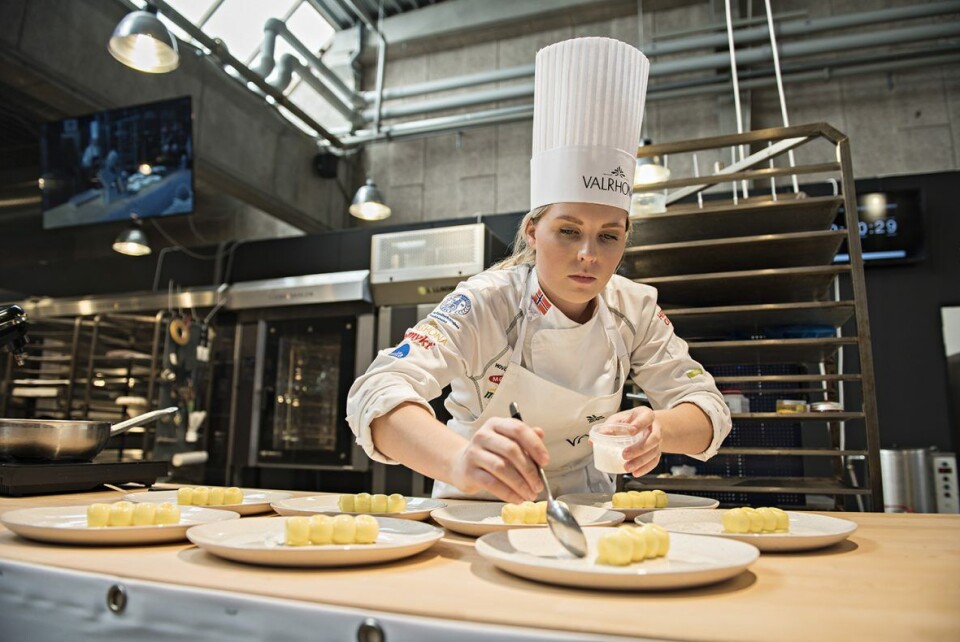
x: 259, y: 540
x: 68, y: 525
x: 807, y: 530
x: 691, y: 561
x: 418, y: 508
x: 254, y: 501
x: 601, y: 500
x: 480, y: 519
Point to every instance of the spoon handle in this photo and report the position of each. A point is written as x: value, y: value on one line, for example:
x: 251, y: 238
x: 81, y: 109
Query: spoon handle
x: 515, y: 413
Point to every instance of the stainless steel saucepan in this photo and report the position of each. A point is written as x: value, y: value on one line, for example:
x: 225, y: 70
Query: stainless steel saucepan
x: 63, y: 440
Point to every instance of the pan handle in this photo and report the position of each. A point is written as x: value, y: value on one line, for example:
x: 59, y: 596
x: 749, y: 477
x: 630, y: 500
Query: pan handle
x: 139, y: 420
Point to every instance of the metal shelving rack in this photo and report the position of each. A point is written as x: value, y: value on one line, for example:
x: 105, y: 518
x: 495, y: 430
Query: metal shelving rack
x: 732, y: 272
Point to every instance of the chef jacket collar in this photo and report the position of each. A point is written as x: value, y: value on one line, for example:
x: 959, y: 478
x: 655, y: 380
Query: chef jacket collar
x: 536, y: 303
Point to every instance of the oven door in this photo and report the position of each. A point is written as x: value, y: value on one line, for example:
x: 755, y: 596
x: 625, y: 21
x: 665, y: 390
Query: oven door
x: 306, y: 371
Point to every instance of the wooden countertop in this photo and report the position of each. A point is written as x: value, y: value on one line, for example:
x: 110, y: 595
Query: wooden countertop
x: 897, y: 577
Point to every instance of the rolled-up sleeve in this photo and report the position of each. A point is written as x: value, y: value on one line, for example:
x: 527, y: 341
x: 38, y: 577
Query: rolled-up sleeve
x: 663, y: 368
x: 432, y: 354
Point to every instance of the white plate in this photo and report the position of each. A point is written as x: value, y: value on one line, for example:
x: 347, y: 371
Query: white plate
x: 601, y: 500
x: 259, y: 540
x: 418, y: 508
x: 68, y: 525
x: 480, y: 519
x: 692, y: 561
x: 807, y: 530
x: 254, y: 501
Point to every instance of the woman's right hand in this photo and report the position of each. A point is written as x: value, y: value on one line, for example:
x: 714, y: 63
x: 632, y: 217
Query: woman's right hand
x: 499, y: 459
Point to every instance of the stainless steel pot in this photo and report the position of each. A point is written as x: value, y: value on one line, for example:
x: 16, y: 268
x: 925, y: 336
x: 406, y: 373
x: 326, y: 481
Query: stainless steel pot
x: 63, y: 440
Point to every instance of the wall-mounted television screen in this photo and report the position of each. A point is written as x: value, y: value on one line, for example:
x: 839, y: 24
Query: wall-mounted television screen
x: 115, y: 164
x: 890, y: 224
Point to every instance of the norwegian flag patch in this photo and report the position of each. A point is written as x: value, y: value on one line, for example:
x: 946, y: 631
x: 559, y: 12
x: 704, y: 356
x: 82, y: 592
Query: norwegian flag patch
x: 540, y: 300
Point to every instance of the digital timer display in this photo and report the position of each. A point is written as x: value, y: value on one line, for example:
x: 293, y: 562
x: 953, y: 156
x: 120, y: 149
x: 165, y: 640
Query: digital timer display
x: 890, y: 225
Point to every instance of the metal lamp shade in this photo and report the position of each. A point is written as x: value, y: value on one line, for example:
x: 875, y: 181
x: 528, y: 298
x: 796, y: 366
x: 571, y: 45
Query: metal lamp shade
x: 142, y: 42
x: 368, y: 203
x: 132, y: 242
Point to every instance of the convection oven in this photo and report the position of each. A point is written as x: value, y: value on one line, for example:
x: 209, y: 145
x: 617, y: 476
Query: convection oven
x: 300, y: 343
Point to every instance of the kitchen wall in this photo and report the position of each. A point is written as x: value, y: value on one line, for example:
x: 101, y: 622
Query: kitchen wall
x: 901, y: 122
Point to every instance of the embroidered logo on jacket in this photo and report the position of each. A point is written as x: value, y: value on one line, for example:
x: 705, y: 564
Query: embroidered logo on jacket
x: 540, y: 300
x: 663, y: 316
x: 594, y: 418
x: 457, y: 304
x: 576, y: 440
x: 401, y: 351
x: 430, y: 329
x: 495, y: 378
x: 419, y: 339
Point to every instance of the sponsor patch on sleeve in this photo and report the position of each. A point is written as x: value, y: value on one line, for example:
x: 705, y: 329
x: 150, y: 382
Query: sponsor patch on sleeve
x: 419, y: 339
x: 401, y: 351
x: 695, y: 372
x: 430, y: 329
x: 455, y: 304
x: 663, y: 316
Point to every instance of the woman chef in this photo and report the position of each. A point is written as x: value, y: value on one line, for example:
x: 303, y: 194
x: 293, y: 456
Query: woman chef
x: 552, y: 327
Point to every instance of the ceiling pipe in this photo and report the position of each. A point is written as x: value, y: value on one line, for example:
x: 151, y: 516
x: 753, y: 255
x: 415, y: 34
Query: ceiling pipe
x: 290, y: 64
x: 381, y: 61
x: 444, y: 124
x: 219, y: 50
x: 741, y: 37
x: 701, y: 63
x: 273, y: 28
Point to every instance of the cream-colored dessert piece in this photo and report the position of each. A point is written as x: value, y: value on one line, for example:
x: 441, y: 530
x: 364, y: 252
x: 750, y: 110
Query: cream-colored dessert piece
x: 766, y: 519
x: 167, y: 513
x: 347, y: 503
x: 367, y: 529
x: 662, y: 501
x: 361, y: 504
x: 378, y: 503
x: 614, y: 549
x: 232, y: 496
x: 201, y: 496
x: 145, y: 514
x: 297, y: 531
x: 658, y: 534
x: 98, y: 515
x: 639, y: 541
x: 215, y: 498
x: 511, y: 514
x: 396, y: 503
x: 531, y: 514
x: 121, y: 514
x: 621, y: 500
x: 185, y: 496
x: 344, y: 529
x: 321, y: 529
x: 783, y: 520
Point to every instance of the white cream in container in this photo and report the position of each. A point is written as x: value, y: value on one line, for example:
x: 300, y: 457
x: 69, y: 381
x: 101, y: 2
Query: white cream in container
x: 609, y: 441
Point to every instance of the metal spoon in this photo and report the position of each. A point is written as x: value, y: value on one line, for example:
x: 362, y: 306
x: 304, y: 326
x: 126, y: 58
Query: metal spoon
x: 562, y: 524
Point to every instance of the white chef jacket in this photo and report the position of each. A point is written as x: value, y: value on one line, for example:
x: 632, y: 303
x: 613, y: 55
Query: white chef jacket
x: 467, y: 342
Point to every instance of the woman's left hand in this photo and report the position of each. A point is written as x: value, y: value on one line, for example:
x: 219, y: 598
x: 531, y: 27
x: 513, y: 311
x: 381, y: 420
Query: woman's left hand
x: 642, y: 457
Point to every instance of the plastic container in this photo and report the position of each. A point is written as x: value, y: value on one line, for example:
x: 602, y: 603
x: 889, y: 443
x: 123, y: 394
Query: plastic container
x: 736, y: 400
x: 609, y: 440
x: 643, y: 203
x: 791, y: 406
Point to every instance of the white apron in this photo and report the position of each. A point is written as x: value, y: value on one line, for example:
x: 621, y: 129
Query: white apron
x: 564, y: 415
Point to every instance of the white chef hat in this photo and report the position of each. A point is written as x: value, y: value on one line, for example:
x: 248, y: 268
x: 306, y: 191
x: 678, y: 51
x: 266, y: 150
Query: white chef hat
x: 587, y: 109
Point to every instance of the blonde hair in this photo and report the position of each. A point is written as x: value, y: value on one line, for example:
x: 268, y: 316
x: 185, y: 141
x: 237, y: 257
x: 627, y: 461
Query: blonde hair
x: 523, y: 253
